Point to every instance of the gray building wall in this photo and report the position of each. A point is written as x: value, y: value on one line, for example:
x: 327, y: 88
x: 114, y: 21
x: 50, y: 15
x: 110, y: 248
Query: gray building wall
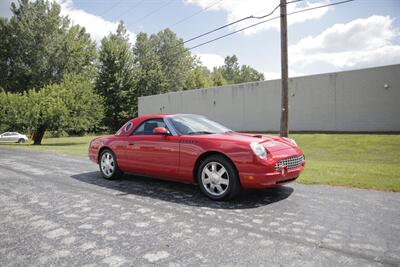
x: 344, y: 101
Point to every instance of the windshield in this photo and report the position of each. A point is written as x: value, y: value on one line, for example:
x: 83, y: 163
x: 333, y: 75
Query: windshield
x: 195, y: 124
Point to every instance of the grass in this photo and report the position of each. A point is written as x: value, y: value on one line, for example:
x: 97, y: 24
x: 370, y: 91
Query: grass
x: 65, y: 145
x: 370, y: 161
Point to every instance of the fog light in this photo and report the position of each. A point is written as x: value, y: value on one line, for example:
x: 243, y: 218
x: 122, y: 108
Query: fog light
x: 283, y: 170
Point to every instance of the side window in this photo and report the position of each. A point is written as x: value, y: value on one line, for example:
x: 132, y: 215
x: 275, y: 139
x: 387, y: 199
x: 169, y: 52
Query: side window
x: 147, y: 127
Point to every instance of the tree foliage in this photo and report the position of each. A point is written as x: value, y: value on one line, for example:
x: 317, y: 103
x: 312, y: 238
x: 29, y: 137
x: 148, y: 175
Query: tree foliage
x: 39, y: 48
x: 199, y: 77
x: 70, y: 106
x: 151, y: 78
x: 116, y: 79
x: 54, y: 77
x: 233, y: 73
x: 13, y: 111
x: 175, y: 60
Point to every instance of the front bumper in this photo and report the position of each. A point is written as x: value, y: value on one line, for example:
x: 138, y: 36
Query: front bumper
x: 268, y: 173
x: 270, y: 179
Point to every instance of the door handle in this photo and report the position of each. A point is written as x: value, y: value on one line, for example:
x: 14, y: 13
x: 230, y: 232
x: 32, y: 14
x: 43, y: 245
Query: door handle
x: 131, y: 144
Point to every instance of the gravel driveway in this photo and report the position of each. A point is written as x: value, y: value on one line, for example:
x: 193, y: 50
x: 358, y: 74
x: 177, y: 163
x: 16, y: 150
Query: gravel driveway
x: 57, y: 210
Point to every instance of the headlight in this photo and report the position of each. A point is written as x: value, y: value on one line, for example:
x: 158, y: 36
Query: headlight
x: 258, y: 150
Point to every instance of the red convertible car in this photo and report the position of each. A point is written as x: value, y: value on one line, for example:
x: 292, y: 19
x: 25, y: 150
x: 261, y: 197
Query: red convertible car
x: 193, y: 149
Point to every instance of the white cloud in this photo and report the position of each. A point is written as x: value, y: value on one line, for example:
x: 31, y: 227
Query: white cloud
x: 239, y: 9
x: 360, y: 43
x: 5, y: 8
x: 95, y: 25
x: 273, y: 75
x: 211, y: 60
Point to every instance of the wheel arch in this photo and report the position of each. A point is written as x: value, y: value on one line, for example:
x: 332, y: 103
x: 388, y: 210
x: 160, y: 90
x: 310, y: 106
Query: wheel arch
x: 207, y: 154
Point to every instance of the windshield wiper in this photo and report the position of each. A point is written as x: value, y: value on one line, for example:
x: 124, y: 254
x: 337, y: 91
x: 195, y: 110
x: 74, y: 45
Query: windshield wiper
x: 199, y: 132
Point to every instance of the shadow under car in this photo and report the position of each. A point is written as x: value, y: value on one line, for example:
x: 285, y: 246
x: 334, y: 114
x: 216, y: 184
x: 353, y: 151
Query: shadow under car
x: 186, y: 194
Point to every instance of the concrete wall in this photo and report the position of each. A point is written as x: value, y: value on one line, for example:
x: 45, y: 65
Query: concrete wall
x: 343, y: 101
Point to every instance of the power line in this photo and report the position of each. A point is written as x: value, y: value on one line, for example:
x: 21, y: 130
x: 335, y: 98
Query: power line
x: 264, y: 21
x: 150, y: 13
x: 237, y: 21
x: 105, y: 12
x: 131, y: 8
x: 194, y: 14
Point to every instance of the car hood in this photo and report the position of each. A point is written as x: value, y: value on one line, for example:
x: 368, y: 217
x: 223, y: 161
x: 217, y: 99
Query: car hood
x: 271, y: 143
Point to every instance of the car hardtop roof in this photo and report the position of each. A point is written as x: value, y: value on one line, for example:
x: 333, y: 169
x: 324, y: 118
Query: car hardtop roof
x: 138, y: 120
x: 141, y: 119
x: 185, y: 114
x: 160, y: 116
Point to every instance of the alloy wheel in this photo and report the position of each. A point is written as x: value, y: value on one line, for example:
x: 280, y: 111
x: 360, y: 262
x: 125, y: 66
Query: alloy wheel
x: 215, y: 178
x: 107, y: 164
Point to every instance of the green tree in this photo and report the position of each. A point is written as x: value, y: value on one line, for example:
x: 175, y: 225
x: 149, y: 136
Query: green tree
x: 232, y: 72
x: 13, y: 111
x: 199, y: 77
x: 31, y: 54
x: 217, y: 77
x: 85, y: 107
x: 116, y: 78
x: 79, y: 52
x: 231, y: 69
x: 176, y: 61
x: 248, y: 74
x: 151, y: 79
x: 39, y: 48
x: 71, y: 106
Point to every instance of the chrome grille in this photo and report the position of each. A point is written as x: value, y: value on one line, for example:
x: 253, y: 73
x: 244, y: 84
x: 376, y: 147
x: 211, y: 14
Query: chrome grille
x: 290, y: 163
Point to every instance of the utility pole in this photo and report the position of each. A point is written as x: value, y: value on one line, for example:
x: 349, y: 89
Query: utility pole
x: 284, y: 72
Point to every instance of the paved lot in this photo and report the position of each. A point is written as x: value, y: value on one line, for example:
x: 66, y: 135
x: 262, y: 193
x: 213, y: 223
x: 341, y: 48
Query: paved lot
x: 57, y: 210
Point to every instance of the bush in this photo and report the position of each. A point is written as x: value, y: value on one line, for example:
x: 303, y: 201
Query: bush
x: 71, y: 106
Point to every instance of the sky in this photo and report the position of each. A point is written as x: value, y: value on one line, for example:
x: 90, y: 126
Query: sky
x: 354, y: 35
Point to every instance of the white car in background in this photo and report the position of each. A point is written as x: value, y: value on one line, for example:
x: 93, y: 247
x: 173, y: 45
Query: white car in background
x: 13, y: 137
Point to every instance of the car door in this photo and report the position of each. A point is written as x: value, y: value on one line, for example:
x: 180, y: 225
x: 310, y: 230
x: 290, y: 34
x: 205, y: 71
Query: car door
x: 13, y: 137
x: 5, y: 137
x: 153, y: 155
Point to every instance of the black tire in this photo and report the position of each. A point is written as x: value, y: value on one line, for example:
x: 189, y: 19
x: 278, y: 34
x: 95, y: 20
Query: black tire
x: 109, y: 175
x: 233, y: 186
x: 21, y: 141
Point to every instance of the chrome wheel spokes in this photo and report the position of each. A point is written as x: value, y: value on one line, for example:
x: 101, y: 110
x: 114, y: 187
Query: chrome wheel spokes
x: 215, y: 178
x: 107, y: 164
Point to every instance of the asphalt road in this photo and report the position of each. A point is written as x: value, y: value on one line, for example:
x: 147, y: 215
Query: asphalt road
x: 57, y: 210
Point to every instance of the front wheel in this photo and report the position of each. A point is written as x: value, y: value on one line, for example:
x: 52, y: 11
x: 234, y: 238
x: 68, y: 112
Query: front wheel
x: 218, y: 178
x: 21, y: 141
x: 108, y: 165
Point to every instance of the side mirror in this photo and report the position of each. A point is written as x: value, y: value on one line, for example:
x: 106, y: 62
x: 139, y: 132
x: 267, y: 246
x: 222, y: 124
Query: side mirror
x: 160, y: 131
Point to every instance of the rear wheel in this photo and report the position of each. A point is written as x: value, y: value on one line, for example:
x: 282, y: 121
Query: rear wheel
x: 108, y: 165
x: 218, y: 178
x: 21, y: 140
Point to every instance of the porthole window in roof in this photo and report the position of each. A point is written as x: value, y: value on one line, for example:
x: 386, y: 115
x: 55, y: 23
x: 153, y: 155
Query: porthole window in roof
x: 128, y: 126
